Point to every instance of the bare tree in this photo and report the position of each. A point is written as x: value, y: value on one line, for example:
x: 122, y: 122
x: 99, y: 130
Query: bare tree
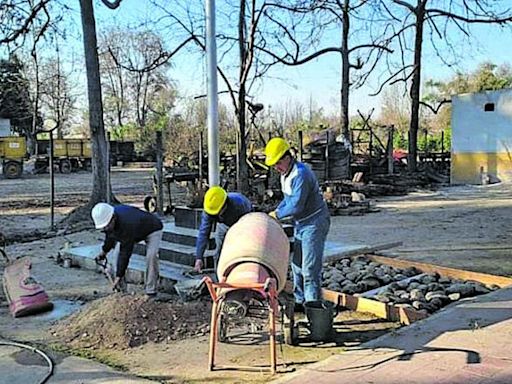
x: 437, y: 22
x: 18, y: 17
x: 296, y: 47
x: 136, y: 70
x: 114, y: 79
x: 57, y: 97
x: 240, y: 34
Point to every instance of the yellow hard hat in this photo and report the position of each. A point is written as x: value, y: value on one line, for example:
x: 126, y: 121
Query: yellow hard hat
x: 275, y: 149
x: 214, y: 200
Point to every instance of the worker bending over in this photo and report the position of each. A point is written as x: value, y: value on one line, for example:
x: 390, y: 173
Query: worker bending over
x: 124, y: 226
x: 304, y: 204
x: 222, y: 208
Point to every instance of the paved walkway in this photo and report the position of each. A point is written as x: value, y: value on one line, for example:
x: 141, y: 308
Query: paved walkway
x: 468, y: 343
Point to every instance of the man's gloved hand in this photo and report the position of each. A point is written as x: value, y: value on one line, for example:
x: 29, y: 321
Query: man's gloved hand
x: 101, y: 260
x: 273, y: 215
x: 198, y: 266
x: 101, y: 256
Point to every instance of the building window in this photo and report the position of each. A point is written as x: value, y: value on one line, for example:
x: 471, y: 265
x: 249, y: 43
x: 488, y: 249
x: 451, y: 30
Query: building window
x: 489, y: 107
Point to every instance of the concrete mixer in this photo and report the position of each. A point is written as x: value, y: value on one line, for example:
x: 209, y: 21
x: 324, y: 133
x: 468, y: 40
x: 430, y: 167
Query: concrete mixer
x: 251, y: 271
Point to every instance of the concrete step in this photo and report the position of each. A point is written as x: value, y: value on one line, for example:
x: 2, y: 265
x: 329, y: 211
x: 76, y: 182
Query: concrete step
x: 174, y: 252
x: 181, y: 235
x: 170, y: 272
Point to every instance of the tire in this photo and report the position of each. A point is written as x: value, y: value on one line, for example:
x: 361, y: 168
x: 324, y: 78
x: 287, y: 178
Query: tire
x: 88, y: 165
x: 12, y: 169
x: 150, y: 204
x: 65, y: 166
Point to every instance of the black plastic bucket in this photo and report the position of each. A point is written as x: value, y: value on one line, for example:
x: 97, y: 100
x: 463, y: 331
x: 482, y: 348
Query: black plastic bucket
x: 320, y: 316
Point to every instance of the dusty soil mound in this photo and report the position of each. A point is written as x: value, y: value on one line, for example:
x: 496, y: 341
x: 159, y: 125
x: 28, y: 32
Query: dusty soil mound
x: 124, y: 321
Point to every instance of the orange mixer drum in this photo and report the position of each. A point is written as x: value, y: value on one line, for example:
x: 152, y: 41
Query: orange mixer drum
x: 255, y: 238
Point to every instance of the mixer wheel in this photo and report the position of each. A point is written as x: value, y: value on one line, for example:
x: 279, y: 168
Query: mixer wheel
x: 222, y: 334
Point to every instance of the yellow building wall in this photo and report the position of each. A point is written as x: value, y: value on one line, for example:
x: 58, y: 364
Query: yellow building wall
x: 467, y: 168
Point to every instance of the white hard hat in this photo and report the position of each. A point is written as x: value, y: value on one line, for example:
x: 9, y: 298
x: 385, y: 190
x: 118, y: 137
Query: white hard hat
x: 102, y: 214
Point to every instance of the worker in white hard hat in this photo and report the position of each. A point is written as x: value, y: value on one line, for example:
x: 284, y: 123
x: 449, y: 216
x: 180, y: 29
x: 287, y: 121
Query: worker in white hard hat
x: 225, y: 209
x: 124, y: 226
x: 304, y: 204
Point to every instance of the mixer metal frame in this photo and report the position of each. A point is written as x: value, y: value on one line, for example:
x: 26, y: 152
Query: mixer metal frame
x: 218, y: 327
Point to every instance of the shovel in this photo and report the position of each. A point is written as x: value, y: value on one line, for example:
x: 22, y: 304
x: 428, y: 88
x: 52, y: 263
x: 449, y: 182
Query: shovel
x: 191, y: 287
x: 104, y: 268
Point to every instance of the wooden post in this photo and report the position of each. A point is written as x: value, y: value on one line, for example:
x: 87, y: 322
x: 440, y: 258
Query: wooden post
x: 237, y: 181
x: 370, y: 149
x: 159, y: 173
x: 300, y: 146
x: 109, y: 186
x: 390, y: 149
x: 327, y: 157
x: 52, y: 185
x: 200, y: 172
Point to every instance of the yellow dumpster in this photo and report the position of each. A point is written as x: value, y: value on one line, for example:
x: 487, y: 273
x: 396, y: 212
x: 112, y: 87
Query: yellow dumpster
x: 13, y: 147
x: 87, y: 148
x: 60, y: 148
x: 74, y: 147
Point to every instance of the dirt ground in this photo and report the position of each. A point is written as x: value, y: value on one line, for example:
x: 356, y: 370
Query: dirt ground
x: 463, y: 227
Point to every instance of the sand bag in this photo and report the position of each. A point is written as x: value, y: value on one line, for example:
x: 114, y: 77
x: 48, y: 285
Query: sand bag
x: 24, y: 294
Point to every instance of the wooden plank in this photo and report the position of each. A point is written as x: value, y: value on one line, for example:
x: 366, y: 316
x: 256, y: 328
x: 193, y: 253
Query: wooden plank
x: 359, y: 304
x: 482, y: 247
x: 484, y: 278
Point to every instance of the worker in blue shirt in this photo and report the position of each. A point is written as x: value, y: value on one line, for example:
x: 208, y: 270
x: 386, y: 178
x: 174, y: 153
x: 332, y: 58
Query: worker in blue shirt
x: 304, y: 204
x: 222, y: 208
x: 124, y: 226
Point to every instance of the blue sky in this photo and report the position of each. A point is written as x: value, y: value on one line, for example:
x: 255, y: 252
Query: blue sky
x: 318, y: 80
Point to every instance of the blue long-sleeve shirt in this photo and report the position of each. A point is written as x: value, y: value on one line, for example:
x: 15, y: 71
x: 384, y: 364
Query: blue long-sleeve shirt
x: 237, y: 206
x: 131, y: 226
x: 302, y: 196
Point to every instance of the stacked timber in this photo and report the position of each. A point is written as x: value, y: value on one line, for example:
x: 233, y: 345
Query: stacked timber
x: 329, y: 161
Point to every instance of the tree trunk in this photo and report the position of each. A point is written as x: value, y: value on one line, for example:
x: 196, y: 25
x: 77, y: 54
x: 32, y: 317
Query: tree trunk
x: 415, y: 88
x: 100, y: 170
x: 31, y: 143
x: 345, y: 73
x: 242, y: 176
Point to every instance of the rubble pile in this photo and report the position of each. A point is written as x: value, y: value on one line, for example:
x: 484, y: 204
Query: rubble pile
x: 124, y: 321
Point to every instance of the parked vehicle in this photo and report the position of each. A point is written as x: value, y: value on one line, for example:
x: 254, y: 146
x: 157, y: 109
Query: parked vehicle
x: 13, y: 150
x: 69, y: 155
